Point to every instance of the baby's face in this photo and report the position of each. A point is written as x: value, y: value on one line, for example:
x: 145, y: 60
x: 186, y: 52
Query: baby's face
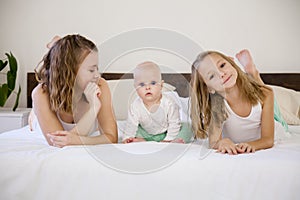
x: 148, y: 86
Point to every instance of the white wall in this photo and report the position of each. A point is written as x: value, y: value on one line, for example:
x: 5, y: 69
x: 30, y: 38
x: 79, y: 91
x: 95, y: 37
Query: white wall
x: 269, y: 28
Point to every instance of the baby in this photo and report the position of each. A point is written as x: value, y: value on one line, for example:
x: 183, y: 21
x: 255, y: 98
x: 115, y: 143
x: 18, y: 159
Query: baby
x: 153, y: 116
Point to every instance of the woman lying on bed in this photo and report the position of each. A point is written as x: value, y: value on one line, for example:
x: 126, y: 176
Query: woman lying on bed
x: 72, y: 101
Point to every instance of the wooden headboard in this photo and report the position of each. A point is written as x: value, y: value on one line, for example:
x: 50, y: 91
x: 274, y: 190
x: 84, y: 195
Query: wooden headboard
x: 180, y: 81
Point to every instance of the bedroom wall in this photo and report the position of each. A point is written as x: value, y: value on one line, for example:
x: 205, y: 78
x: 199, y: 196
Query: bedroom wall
x: 269, y: 28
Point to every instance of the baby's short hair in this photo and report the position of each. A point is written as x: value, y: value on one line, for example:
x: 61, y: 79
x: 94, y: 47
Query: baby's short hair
x: 147, y: 66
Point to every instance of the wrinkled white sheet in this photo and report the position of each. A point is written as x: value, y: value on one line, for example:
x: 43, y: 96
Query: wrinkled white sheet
x: 30, y: 169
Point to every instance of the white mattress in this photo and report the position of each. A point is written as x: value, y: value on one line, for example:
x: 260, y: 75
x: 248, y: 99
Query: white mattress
x: 30, y: 169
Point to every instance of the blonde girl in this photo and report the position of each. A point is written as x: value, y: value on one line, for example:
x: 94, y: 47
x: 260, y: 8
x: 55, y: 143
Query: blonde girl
x: 229, y: 107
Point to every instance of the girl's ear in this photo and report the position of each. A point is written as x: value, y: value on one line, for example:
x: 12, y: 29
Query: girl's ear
x: 212, y: 91
x: 162, y: 83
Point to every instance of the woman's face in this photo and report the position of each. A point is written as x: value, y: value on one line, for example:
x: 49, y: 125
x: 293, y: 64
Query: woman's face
x: 88, y: 71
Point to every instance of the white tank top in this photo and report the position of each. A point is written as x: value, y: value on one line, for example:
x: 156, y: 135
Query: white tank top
x: 67, y: 126
x: 70, y: 126
x: 243, y: 129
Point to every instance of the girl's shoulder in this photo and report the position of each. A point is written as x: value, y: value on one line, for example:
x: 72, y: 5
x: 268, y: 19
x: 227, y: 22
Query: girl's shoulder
x: 269, y: 94
x: 40, y: 96
x: 39, y: 91
x: 267, y: 90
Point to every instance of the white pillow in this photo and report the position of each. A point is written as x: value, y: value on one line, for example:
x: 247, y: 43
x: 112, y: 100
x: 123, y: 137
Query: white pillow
x: 183, y: 105
x: 289, y: 104
x: 123, y: 93
x: 185, y: 112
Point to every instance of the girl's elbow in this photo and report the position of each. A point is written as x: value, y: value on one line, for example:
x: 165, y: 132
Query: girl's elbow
x: 112, y: 138
x: 269, y: 142
x: 48, y: 140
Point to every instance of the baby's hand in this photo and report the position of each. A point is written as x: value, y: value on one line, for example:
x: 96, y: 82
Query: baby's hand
x: 178, y: 140
x: 245, y: 148
x: 129, y: 140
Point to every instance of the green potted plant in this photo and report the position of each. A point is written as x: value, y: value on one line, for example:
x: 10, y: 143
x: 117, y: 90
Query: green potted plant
x: 7, y: 87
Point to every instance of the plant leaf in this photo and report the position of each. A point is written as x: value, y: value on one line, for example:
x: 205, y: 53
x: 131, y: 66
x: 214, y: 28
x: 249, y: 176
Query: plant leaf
x: 13, y: 65
x: 11, y: 82
x: 2, y: 65
x: 17, y: 100
x: 3, y: 94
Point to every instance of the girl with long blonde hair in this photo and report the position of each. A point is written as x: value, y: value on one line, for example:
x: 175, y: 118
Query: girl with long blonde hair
x: 234, y: 110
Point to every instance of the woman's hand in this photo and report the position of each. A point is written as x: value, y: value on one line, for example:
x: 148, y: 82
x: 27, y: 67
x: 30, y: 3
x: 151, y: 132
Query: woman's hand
x: 64, y: 138
x: 92, y: 93
x: 226, y: 146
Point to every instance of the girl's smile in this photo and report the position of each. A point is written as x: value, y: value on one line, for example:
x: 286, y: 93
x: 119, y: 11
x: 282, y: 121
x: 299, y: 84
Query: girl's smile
x: 227, y: 80
x: 218, y: 74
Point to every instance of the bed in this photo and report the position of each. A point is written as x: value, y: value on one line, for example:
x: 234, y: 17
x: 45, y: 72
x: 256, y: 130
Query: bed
x: 30, y: 169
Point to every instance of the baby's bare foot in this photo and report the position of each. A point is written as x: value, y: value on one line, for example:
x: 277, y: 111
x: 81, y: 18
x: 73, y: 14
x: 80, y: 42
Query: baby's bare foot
x: 52, y: 42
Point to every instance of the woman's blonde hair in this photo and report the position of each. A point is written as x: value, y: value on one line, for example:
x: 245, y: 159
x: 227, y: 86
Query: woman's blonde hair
x: 207, y: 108
x: 58, y: 69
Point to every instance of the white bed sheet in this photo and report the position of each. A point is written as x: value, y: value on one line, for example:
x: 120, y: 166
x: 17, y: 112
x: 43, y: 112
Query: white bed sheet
x: 30, y: 169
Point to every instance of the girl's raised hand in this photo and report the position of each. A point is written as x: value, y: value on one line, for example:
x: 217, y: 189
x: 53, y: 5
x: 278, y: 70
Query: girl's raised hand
x: 92, y: 93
